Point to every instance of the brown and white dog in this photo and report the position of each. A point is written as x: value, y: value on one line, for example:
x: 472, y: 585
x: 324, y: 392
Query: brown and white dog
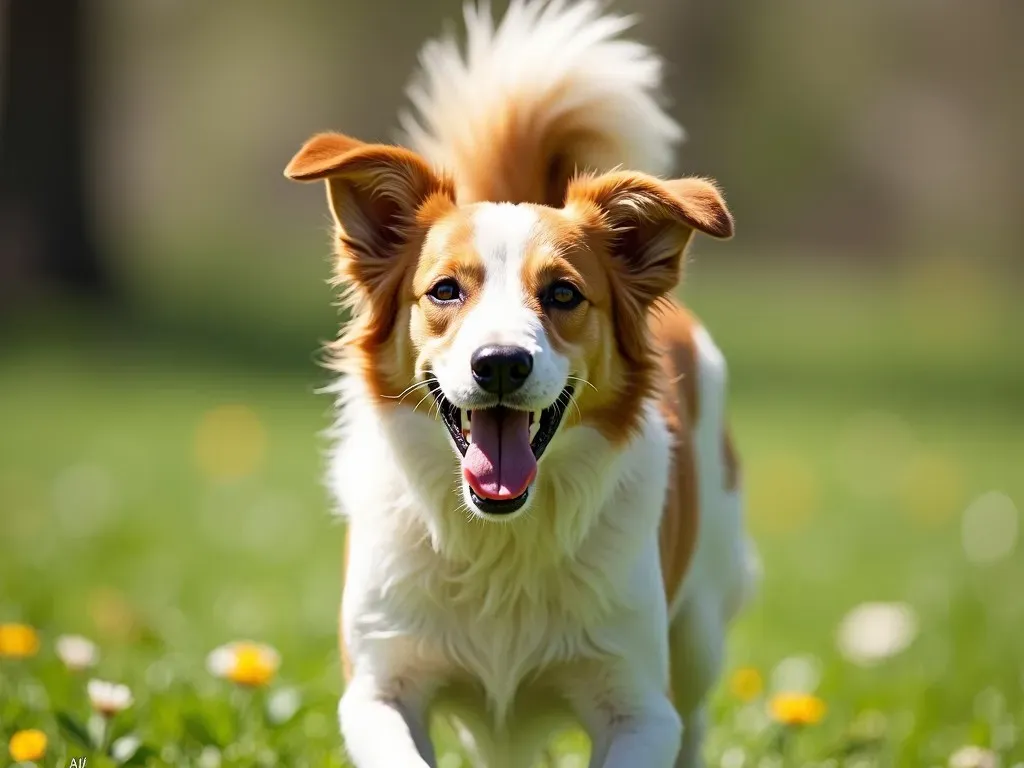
x: 543, y: 504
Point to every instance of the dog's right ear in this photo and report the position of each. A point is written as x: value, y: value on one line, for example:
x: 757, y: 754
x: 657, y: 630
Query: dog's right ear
x: 375, y: 191
x: 319, y: 156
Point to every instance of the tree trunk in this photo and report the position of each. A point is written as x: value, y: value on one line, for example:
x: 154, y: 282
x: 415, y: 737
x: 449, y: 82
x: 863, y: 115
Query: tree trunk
x: 46, y: 228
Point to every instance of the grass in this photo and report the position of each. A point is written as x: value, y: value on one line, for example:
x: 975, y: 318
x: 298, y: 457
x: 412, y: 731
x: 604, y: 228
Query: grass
x: 163, y: 501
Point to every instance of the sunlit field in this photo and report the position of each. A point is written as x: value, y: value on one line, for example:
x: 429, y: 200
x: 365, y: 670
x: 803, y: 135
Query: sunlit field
x: 163, y: 503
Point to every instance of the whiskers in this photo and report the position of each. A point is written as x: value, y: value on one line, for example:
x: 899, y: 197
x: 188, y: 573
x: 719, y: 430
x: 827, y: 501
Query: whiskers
x: 419, y: 385
x: 572, y: 397
x: 410, y: 389
x: 568, y: 398
x: 581, y: 380
x: 422, y: 399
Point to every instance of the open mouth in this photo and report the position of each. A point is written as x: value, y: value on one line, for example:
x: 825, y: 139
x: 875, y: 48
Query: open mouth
x: 500, y: 447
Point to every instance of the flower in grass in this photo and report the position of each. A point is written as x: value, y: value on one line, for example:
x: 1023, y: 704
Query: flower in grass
x: 18, y: 641
x: 27, y: 746
x: 874, y: 632
x: 244, y: 662
x: 76, y: 652
x: 109, y: 698
x: 796, y: 708
x: 746, y: 683
x: 973, y: 757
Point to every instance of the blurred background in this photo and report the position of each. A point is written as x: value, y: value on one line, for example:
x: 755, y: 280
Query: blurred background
x: 163, y: 299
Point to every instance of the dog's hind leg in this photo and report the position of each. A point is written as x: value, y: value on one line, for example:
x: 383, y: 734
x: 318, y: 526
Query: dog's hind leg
x: 697, y: 641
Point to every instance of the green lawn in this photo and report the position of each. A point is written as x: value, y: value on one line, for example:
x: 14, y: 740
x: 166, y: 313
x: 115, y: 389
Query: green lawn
x: 162, y: 501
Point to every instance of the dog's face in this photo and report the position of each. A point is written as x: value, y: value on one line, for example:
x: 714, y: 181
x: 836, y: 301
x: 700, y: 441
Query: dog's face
x: 510, y: 319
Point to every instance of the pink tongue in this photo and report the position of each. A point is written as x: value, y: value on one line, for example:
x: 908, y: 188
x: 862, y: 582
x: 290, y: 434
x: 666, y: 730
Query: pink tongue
x: 499, y: 463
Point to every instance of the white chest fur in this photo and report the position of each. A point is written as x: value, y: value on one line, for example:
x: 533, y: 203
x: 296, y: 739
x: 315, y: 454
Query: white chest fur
x: 432, y: 593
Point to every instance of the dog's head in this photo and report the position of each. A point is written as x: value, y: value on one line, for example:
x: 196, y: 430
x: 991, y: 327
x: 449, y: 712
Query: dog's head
x: 513, y: 318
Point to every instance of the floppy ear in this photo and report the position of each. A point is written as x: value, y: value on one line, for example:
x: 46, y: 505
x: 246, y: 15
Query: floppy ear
x: 319, y: 156
x: 376, y: 193
x: 646, y: 223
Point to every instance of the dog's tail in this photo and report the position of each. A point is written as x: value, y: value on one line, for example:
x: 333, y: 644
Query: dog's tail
x: 551, y: 90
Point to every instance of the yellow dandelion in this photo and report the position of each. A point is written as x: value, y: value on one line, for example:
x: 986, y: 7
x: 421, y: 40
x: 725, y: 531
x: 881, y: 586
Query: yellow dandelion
x: 796, y: 708
x: 746, y: 683
x: 18, y: 641
x: 244, y: 662
x: 27, y: 746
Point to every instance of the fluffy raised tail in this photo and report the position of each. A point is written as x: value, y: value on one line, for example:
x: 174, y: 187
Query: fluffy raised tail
x: 551, y: 90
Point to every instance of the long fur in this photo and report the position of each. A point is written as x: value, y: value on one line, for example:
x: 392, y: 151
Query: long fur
x: 550, y: 90
x: 603, y: 603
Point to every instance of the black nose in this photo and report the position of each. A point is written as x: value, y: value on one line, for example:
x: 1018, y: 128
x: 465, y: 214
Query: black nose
x: 501, y: 370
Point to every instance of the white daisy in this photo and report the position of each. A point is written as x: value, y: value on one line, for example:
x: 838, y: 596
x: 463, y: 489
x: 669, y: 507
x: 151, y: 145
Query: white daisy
x: 973, y: 757
x: 873, y: 632
x: 76, y: 652
x: 109, y: 698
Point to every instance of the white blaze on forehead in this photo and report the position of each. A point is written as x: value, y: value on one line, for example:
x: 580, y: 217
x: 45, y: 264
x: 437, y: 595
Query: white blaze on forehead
x: 501, y: 236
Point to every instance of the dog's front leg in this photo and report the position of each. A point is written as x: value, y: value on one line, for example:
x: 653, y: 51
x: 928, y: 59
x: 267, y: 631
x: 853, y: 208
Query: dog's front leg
x: 383, y: 730
x: 647, y: 734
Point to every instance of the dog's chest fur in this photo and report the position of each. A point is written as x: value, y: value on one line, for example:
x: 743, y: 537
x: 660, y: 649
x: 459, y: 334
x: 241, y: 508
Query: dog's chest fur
x: 493, y: 629
x: 486, y: 606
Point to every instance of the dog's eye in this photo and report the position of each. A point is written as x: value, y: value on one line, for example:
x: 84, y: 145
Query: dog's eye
x: 444, y: 291
x: 563, y: 295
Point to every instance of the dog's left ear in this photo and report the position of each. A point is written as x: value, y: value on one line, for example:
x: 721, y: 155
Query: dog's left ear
x: 646, y: 224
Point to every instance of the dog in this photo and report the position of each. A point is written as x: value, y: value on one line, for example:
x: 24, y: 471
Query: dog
x: 543, y: 501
